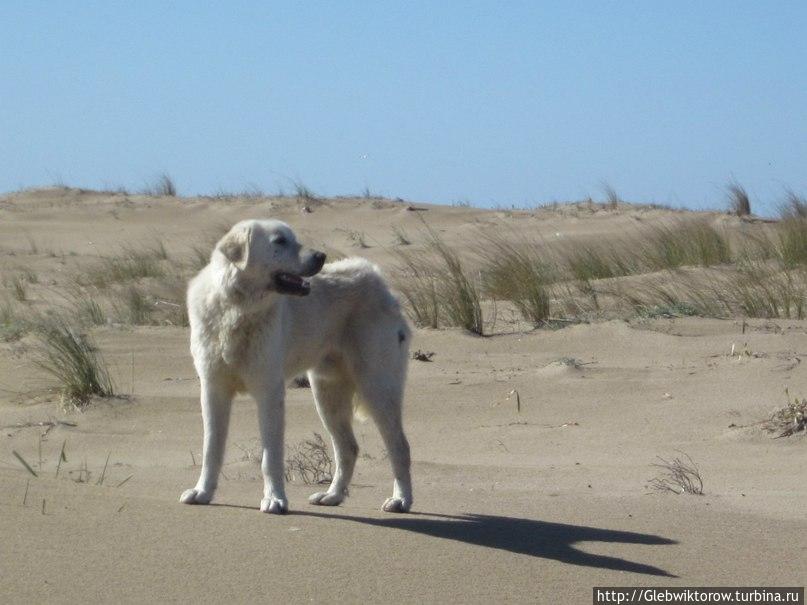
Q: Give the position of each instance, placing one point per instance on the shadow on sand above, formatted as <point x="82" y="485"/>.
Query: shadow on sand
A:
<point x="542" y="539"/>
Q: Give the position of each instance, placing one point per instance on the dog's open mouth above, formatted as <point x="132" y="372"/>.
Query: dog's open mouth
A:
<point x="288" y="283"/>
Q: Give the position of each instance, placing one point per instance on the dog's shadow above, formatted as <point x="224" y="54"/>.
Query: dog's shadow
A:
<point x="523" y="536"/>
<point x="530" y="537"/>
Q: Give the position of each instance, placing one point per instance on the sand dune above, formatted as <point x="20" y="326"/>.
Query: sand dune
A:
<point x="531" y="502"/>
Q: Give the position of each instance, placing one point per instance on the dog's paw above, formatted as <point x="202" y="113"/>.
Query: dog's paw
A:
<point x="326" y="499"/>
<point x="396" y="505"/>
<point x="195" y="496"/>
<point x="275" y="506"/>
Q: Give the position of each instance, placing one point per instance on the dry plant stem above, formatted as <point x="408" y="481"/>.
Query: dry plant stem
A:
<point x="679" y="476"/>
<point x="24" y="463"/>
<point x="310" y="462"/>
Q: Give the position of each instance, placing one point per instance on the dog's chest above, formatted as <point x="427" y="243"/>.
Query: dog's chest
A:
<point x="247" y="341"/>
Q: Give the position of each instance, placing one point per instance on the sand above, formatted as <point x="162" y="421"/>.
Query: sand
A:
<point x="536" y="505"/>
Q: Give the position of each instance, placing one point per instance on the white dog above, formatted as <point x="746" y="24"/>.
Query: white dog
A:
<point x="256" y="321"/>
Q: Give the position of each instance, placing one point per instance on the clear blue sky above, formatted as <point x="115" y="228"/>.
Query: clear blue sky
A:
<point x="486" y="102"/>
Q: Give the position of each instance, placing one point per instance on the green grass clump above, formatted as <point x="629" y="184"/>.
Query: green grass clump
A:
<point x="19" y="288"/>
<point x="88" y="310"/>
<point x="131" y="265"/>
<point x="12" y="326"/>
<point x="73" y="360"/>
<point x="459" y="294"/>
<point x="761" y="291"/>
<point x="437" y="288"/>
<point x="757" y="289"/>
<point x="684" y="243"/>
<point x="134" y="307"/>
<point x="794" y="206"/>
<point x="669" y="311"/>
<point x="418" y="285"/>
<point x="30" y="276"/>
<point x="516" y="271"/>
<point x="587" y="263"/>
<point x="791" y="242"/>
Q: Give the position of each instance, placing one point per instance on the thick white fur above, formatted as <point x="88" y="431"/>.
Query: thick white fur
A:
<point x="348" y="333"/>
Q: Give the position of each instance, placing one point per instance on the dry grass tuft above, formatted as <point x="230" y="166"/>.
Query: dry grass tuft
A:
<point x="309" y="461"/>
<point x="401" y="237"/>
<point x="422" y="355"/>
<point x="163" y="186"/>
<point x="738" y="201"/>
<point x="794" y="206"/>
<point x="302" y="192"/>
<point x="789" y="420"/>
<point x="357" y="239"/>
<point x="678" y="476"/>
<point x="611" y="196"/>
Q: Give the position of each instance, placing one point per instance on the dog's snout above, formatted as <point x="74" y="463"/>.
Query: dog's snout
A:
<point x="313" y="263"/>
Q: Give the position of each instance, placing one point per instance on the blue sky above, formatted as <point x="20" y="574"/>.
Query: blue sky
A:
<point x="493" y="103"/>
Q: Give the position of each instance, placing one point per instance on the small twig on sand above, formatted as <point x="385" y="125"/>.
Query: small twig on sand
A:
<point x="48" y="423"/>
<point x="62" y="458"/>
<point x="24" y="463"/>
<point x="103" y="472"/>
<point x="124" y="481"/>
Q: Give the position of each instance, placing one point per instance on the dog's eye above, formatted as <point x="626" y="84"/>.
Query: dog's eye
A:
<point x="280" y="240"/>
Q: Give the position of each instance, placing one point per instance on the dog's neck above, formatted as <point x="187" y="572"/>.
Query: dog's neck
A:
<point x="242" y="316"/>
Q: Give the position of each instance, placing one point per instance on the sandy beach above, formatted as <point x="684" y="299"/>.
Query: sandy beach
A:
<point x="532" y="449"/>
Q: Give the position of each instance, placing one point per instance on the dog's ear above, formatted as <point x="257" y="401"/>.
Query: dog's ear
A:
<point x="235" y="246"/>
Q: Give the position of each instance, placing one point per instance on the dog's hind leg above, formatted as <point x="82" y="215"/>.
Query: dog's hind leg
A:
<point x="381" y="389"/>
<point x="385" y="409"/>
<point x="333" y="393"/>
<point x="378" y="362"/>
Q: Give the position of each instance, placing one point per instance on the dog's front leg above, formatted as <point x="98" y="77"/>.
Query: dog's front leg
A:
<point x="216" y="403"/>
<point x="271" y="419"/>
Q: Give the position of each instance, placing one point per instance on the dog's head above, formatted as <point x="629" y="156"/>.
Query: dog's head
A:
<point x="267" y="258"/>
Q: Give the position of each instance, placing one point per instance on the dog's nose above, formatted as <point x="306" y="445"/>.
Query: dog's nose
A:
<point x="314" y="261"/>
